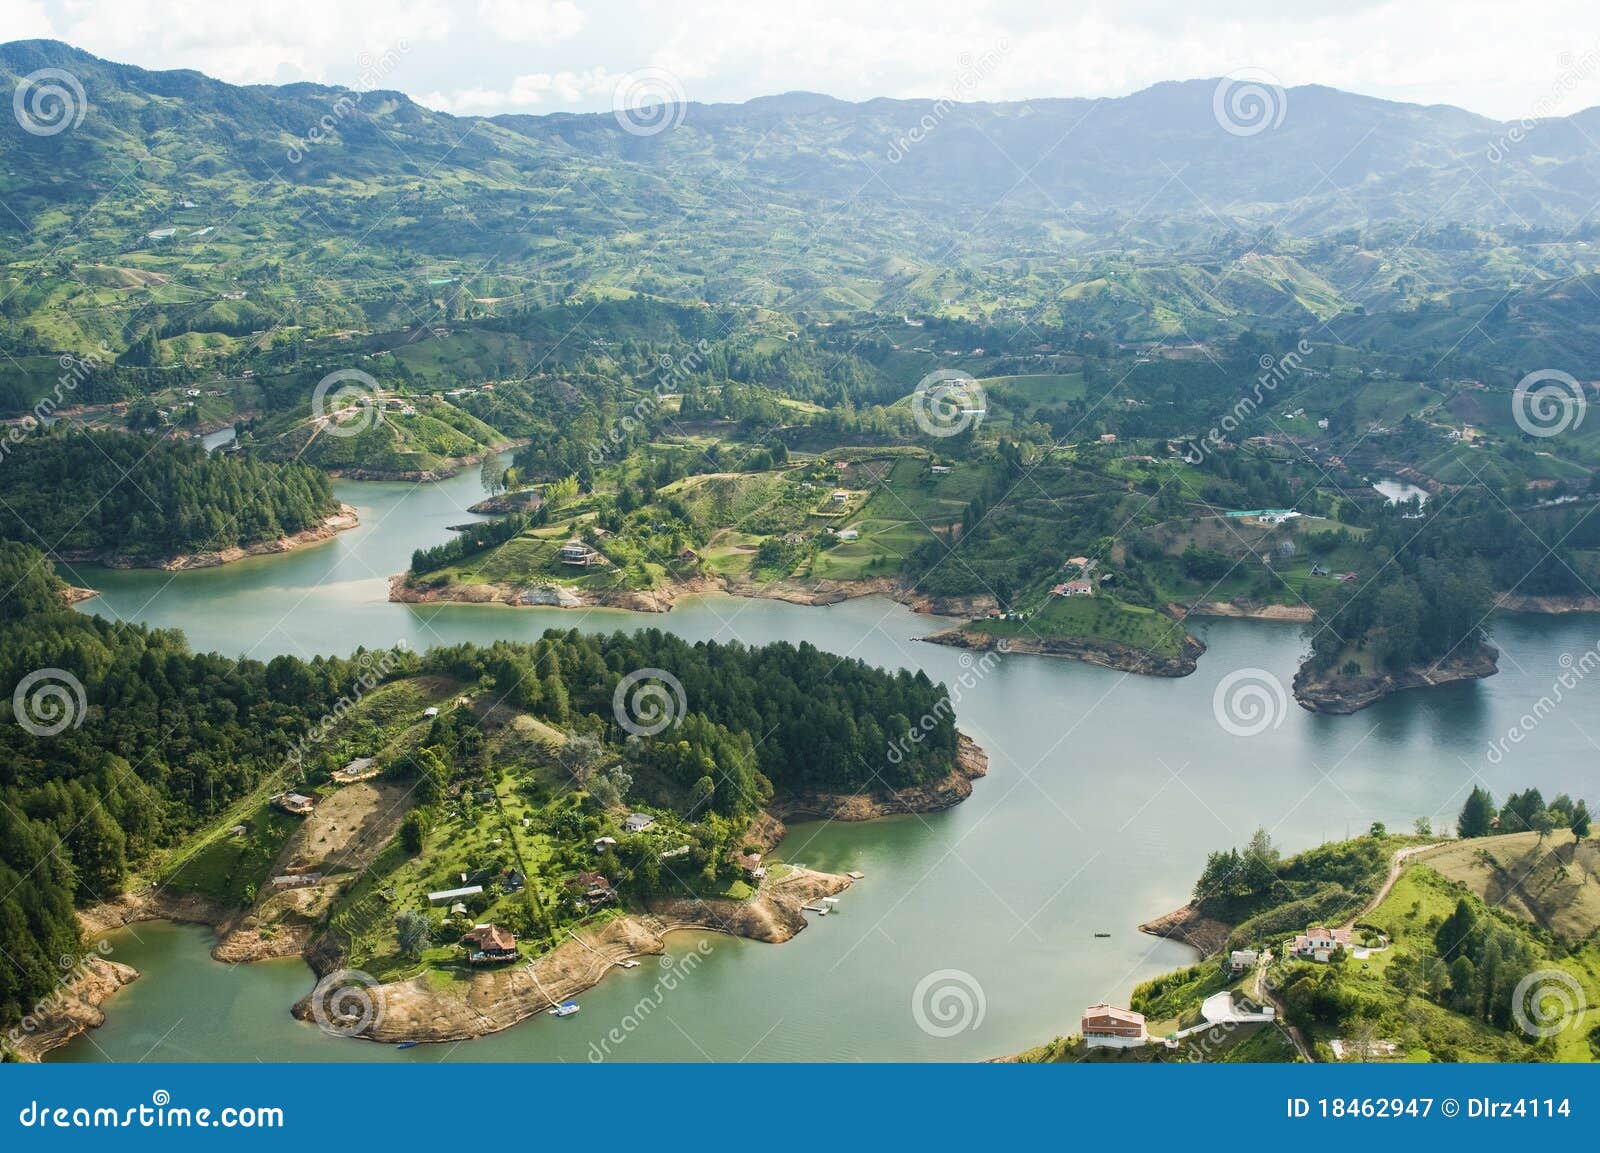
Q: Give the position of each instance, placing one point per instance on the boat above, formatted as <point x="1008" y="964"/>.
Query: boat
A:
<point x="856" y="876"/>
<point x="627" y="963"/>
<point x="815" y="908"/>
<point x="408" y="1044"/>
<point x="565" y="1009"/>
<point x="830" y="900"/>
<point x="1102" y="934"/>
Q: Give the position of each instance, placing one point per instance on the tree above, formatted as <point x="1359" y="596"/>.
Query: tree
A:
<point x="1580" y="820"/>
<point x="1477" y="815"/>
<point x="579" y="756"/>
<point x="414" y="828"/>
<point x="412" y="929"/>
<point x="1422" y="827"/>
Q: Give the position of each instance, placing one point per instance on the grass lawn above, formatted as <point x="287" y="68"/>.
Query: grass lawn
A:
<point x="1098" y="617"/>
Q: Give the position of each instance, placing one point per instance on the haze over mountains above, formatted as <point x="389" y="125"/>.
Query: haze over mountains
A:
<point x="1150" y="214"/>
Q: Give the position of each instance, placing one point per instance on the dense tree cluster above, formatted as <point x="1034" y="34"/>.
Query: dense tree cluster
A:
<point x="164" y="739"/>
<point x="1522" y="812"/>
<point x="478" y="538"/>
<point x="817" y="721"/>
<point x="117" y="495"/>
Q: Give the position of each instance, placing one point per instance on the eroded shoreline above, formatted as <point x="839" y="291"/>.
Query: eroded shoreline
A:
<point x="488" y="1000"/>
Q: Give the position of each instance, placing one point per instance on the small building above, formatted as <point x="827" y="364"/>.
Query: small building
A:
<point x="1241" y="961"/>
<point x="359" y="769"/>
<point x="1108" y="438"/>
<point x="689" y="556"/>
<point x="296" y="880"/>
<point x="575" y="552"/>
<point x="674" y="854"/>
<point x="490" y="945"/>
<point x="296" y="803"/>
<point x="513" y="880"/>
<point x="1073" y="588"/>
<point x="604" y="844"/>
<point x="848" y="534"/>
<point x="840" y="496"/>
<point x="592" y="887"/>
<point x="638" y="822"/>
<point x="1318" y="943"/>
<point x="751" y="864"/>
<point x="1108" y="1027"/>
<point x="451" y="896"/>
<point x="431" y="711"/>
<point x="942" y="469"/>
<point x="459" y="909"/>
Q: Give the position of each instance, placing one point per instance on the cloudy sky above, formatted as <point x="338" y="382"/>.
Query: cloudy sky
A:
<point x="562" y="55"/>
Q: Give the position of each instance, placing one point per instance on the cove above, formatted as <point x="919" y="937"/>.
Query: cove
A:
<point x="1105" y="792"/>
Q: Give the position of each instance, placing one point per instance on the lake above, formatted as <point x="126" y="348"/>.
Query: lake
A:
<point x="1105" y="792"/>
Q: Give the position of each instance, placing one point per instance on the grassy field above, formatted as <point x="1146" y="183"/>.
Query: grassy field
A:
<point x="1552" y="882"/>
<point x="1096" y="618"/>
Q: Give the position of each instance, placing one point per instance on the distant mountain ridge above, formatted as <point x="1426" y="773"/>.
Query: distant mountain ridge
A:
<point x="1334" y="159"/>
<point x="1144" y="216"/>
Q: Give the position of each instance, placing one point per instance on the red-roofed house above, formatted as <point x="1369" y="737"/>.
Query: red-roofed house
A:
<point x="490" y="945"/>
<point x="1106" y="1026"/>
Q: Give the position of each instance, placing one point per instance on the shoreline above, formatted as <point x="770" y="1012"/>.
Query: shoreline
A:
<point x="1341" y="696"/>
<point x="496" y="999"/>
<point x="453" y="466"/>
<point x="550" y="594"/>
<point x="332" y="525"/>
<point x="1106" y="654"/>
<point x="1188" y="926"/>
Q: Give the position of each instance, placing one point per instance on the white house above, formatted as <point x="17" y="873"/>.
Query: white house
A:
<point x="1318" y="943"/>
<point x="1242" y="961"/>
<point x="1108" y="1027"/>
<point x="638" y="822"/>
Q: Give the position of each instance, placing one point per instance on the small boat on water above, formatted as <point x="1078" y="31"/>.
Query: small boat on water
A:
<point x="1102" y="934"/>
<point x="830" y="900"/>
<point x="856" y="876"/>
<point x="816" y="908"/>
<point x="627" y="963"/>
<point x="408" y="1044"/>
<point x="565" y="1009"/>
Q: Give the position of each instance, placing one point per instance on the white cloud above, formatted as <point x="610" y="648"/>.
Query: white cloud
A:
<point x="486" y="55"/>
<point x="25" y="20"/>
<point x="253" y="44"/>
<point x="530" y="21"/>
<point x="525" y="92"/>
